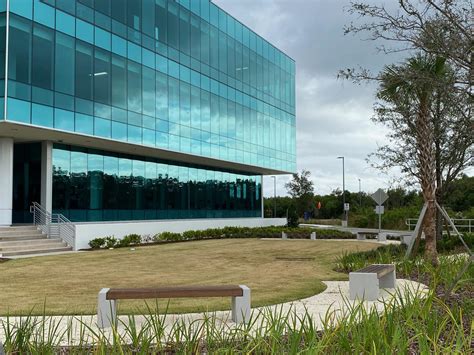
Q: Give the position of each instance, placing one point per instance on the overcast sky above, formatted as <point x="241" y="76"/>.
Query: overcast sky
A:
<point x="333" y="116"/>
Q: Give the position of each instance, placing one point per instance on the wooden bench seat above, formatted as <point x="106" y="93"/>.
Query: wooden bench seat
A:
<point x="380" y="269"/>
<point x="367" y="282"/>
<point x="174" y="292"/>
<point x="107" y="309"/>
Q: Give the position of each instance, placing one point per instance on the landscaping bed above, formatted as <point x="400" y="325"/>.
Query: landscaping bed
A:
<point x="217" y="233"/>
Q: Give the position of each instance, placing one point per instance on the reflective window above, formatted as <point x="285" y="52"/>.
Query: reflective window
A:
<point x="180" y="75"/>
<point x="90" y="185"/>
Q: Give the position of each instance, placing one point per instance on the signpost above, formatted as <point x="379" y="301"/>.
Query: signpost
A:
<point x="379" y="197"/>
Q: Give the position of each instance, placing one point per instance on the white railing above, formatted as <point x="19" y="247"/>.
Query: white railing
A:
<point x="462" y="224"/>
<point x="54" y="225"/>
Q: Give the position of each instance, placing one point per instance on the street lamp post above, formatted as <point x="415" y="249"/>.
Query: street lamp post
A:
<point x="360" y="195"/>
<point x="274" y="196"/>
<point x="344" y="222"/>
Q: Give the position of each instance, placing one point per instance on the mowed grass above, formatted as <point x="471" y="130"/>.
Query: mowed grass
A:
<point x="69" y="283"/>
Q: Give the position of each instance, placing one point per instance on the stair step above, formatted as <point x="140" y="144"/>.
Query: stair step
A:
<point x="28" y="242"/>
<point x="22" y="237"/>
<point x="30" y="247"/>
<point x="13" y="228"/>
<point x="36" y="251"/>
<point x="20" y="232"/>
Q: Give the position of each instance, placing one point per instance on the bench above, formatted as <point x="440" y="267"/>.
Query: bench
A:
<point x="367" y="282"/>
<point x="108" y="297"/>
<point x="406" y="239"/>
<point x="312" y="236"/>
<point x="381" y="237"/>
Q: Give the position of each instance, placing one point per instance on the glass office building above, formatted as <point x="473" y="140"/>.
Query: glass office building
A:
<point x="140" y="109"/>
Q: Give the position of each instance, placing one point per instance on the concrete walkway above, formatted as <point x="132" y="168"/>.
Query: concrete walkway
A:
<point x="333" y="302"/>
<point x="356" y="229"/>
<point x="386" y="242"/>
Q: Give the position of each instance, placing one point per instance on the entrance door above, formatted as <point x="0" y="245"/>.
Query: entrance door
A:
<point x="26" y="180"/>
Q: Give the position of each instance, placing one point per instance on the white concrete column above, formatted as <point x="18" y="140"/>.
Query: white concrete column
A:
<point x="261" y="196"/>
<point x="47" y="175"/>
<point x="6" y="181"/>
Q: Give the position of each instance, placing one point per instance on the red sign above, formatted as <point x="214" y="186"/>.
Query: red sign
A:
<point x="319" y="205"/>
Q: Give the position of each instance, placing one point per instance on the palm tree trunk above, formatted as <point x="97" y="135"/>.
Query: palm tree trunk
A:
<point x="426" y="159"/>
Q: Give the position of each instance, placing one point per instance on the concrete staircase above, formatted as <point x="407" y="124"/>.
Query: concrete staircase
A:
<point x="28" y="240"/>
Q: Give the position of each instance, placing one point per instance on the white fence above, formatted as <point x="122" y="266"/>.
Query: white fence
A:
<point x="462" y="224"/>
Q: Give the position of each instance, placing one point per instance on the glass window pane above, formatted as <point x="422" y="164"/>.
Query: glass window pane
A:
<point x="63" y="120"/>
<point x="19" y="53"/>
<point x="134" y="81"/>
<point x="102" y="76"/>
<point x="119" y="82"/>
<point x="42" y="115"/>
<point x="84" y="70"/>
<point x="64" y="64"/>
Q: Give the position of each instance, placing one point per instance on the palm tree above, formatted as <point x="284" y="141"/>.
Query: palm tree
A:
<point x="409" y="90"/>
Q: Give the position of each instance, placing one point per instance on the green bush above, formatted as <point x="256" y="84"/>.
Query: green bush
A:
<point x="130" y="239"/>
<point x="220" y="233"/>
<point x="97" y="243"/>
<point x="110" y="242"/>
<point x="168" y="237"/>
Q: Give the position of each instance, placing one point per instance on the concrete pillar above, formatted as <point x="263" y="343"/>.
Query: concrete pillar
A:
<point x="261" y="196"/>
<point x="106" y="310"/>
<point x="47" y="175"/>
<point x="241" y="308"/>
<point x="6" y="181"/>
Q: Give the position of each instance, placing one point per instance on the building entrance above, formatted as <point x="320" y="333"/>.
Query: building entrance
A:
<point x="26" y="180"/>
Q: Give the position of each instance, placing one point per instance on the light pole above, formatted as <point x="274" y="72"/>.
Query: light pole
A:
<point x="344" y="222"/>
<point x="360" y="195"/>
<point x="274" y="196"/>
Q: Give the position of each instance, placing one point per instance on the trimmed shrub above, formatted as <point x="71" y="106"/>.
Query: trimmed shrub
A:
<point x="219" y="233"/>
<point x="168" y="237"/>
<point x="110" y="242"/>
<point x="130" y="239"/>
<point x="97" y="243"/>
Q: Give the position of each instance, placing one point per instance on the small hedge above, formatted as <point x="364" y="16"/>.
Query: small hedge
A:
<point x="447" y="244"/>
<point x="219" y="233"/>
<point x="112" y="242"/>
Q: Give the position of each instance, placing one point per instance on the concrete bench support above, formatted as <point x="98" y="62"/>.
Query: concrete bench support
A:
<point x="366" y="283"/>
<point x="382" y="237"/>
<point x="241" y="306"/>
<point x="360" y="236"/>
<point x="106" y="310"/>
<point x="284" y="236"/>
<point x="406" y="239"/>
<point x="107" y="307"/>
<point x="313" y="236"/>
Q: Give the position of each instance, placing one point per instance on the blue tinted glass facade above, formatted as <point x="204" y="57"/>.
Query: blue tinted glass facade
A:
<point x="177" y="75"/>
<point x="91" y="185"/>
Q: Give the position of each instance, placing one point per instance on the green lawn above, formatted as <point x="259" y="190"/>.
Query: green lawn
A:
<point x="69" y="283"/>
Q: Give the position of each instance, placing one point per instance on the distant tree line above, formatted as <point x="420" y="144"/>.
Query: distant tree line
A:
<point x="459" y="202"/>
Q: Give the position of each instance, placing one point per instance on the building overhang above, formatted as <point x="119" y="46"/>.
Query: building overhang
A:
<point x="29" y="133"/>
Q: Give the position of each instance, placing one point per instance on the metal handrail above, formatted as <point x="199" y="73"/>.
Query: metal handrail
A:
<point x="460" y="223"/>
<point x="54" y="225"/>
